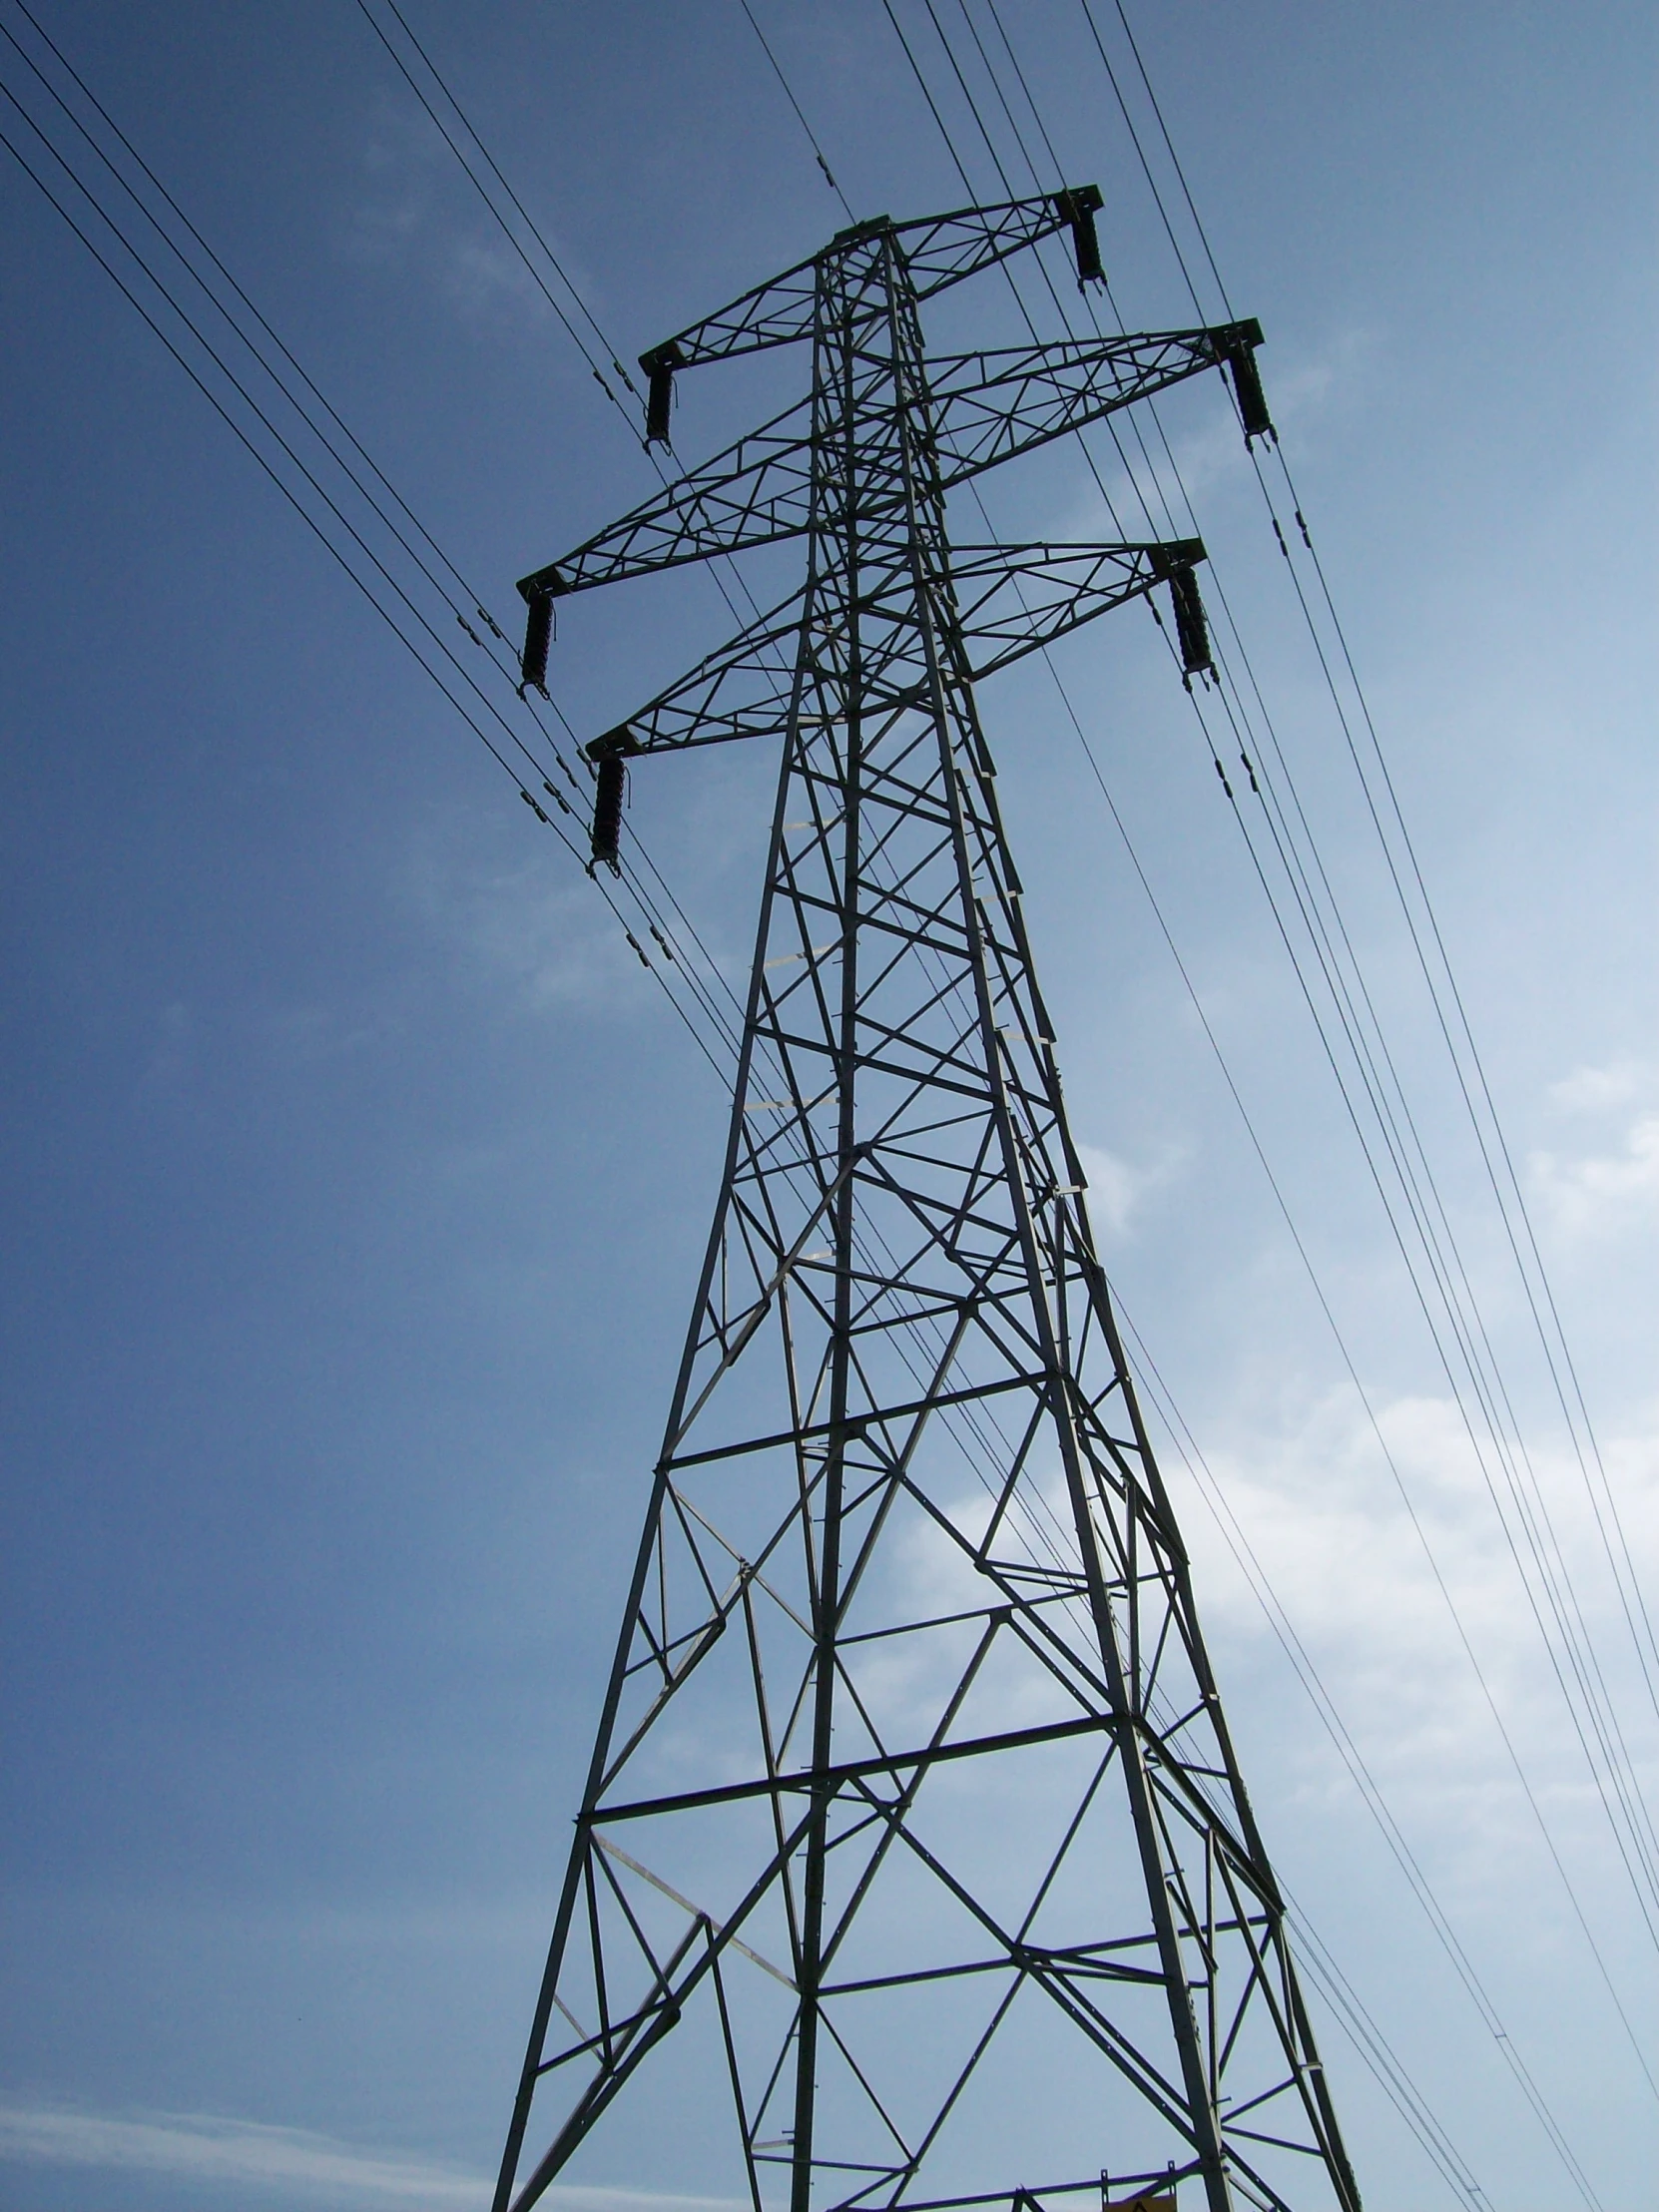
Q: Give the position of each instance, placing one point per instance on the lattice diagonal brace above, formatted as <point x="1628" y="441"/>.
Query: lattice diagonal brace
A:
<point x="915" y="1866"/>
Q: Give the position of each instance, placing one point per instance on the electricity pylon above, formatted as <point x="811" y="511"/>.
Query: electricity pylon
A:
<point x="912" y="1816"/>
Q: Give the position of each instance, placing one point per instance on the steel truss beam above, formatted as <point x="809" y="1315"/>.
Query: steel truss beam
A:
<point x="988" y="407"/>
<point x="912" y="1754"/>
<point x="1010" y="600"/>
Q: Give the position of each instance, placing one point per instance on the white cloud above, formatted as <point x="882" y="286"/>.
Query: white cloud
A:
<point x="481" y="269"/>
<point x="1116" y="1187"/>
<point x="1614" y="1179"/>
<point x="414" y="206"/>
<point x="1597" y="1090"/>
<point x="525" y="919"/>
<point x="200" y="2147"/>
<point x="1322" y="1511"/>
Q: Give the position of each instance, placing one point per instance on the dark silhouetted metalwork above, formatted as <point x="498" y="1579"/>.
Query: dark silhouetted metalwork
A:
<point x="912" y="1812"/>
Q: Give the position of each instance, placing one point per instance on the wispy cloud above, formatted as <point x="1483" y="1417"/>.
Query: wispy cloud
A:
<point x="1598" y="1090"/>
<point x="546" y="937"/>
<point x="1605" y="1187"/>
<point x="199" y="2147"/>
<point x="414" y="208"/>
<point x="1351" y="1571"/>
<point x="1116" y="1186"/>
<point x="1614" y="1178"/>
<point x="307" y="2166"/>
<point x="1210" y="455"/>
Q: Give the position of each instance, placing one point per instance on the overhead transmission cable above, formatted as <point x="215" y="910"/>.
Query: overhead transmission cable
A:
<point x="273" y="452"/>
<point x="709" y="1020"/>
<point x="789" y="95"/>
<point x="1554" y="1576"/>
<point x="705" y="992"/>
<point x="727" y="575"/>
<point x="496" y="171"/>
<point x="770" y="57"/>
<point x="534" y="274"/>
<point x="1490" y="1138"/>
<point x="1432" y="2135"/>
<point x="309" y="518"/>
<point x="1588" y="1694"/>
<point x="1181" y="1437"/>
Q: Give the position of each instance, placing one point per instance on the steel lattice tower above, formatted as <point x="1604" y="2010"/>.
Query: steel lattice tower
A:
<point x="912" y="1800"/>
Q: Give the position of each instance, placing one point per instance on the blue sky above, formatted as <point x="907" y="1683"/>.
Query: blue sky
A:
<point x="356" y="1174"/>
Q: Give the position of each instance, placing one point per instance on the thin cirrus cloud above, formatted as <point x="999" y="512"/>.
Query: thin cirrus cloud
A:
<point x="412" y="202"/>
<point x="1609" y="1179"/>
<point x="304" y="2167"/>
<point x="1117" y="1187"/>
<point x="1604" y="1190"/>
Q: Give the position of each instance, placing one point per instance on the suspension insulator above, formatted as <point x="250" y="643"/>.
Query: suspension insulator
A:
<point x="538" y="634"/>
<point x="1240" y="344"/>
<point x="1078" y="207"/>
<point x="1192" y="628"/>
<point x="1253" y="403"/>
<point x="607" y="812"/>
<point x="659" y="367"/>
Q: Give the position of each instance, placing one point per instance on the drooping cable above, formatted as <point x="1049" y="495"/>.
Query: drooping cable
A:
<point x="1179" y="1429"/>
<point x="789" y="95"/>
<point x="1554" y="1851"/>
<point x="709" y="1020"/>
<point x="1589" y="1703"/>
<point x="342" y="538"/>
<point x="534" y="274"/>
<point x="1214" y="1493"/>
<point x="492" y="165"/>
<point x="486" y="740"/>
<point x="1493" y="1146"/>
<point x="1490" y="1137"/>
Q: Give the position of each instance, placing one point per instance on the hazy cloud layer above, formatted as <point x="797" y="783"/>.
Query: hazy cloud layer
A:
<point x="294" y="2161"/>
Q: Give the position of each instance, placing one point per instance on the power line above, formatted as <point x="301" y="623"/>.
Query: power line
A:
<point x="800" y="115"/>
<point x="1615" y="1752"/>
<point x="378" y="473"/>
<point x="1632" y="1600"/>
<point x="330" y="506"/>
<point x="1182" y="1436"/>
<point x="789" y="95"/>
<point x="448" y="137"/>
<point x="287" y="452"/>
<point x="1580" y="1656"/>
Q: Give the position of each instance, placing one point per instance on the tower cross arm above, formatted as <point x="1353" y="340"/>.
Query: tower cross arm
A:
<point x="1015" y="599"/>
<point x="755" y="492"/>
<point x="988" y="407"/>
<point x="742" y="690"/>
<point x="1006" y="600"/>
<point x="939" y="251"/>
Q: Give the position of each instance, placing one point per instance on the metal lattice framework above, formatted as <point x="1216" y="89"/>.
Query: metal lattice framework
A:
<point x="913" y="1810"/>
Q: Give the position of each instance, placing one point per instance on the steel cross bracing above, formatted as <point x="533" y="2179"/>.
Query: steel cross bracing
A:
<point x="912" y="1815"/>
